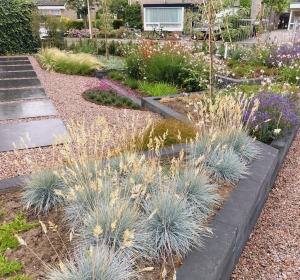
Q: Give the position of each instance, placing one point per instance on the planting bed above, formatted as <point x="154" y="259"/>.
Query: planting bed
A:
<point x="231" y="226"/>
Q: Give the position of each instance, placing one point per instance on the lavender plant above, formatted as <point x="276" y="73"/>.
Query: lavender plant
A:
<point x="276" y="116"/>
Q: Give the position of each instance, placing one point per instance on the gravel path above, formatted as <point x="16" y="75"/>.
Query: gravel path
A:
<point x="273" y="250"/>
<point x="65" y="92"/>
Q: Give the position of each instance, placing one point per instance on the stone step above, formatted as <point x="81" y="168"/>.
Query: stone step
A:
<point x="41" y="133"/>
<point x="16" y="68"/>
<point x="17" y="75"/>
<point x="15" y="62"/>
<point x="19" y="83"/>
<point x="22" y="110"/>
<point x="20" y="94"/>
<point x="5" y="58"/>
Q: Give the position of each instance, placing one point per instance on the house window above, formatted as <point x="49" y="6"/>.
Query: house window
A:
<point x="169" y="18"/>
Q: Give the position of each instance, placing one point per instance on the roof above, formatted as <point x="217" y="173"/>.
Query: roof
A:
<point x="50" y="2"/>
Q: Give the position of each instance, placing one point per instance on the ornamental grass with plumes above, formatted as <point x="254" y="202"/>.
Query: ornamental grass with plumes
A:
<point x="55" y="60"/>
<point x="137" y="207"/>
<point x="95" y="263"/>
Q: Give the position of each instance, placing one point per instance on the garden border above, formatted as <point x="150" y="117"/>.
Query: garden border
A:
<point x="234" y="222"/>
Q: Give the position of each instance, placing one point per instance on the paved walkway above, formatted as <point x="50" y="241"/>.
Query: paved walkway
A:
<point x="25" y="110"/>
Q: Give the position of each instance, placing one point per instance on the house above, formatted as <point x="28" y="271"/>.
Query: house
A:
<point x="56" y="8"/>
<point x="168" y="14"/>
<point x="294" y="16"/>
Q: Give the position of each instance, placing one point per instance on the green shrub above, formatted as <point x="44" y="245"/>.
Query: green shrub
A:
<point x="16" y="31"/>
<point x="237" y="54"/>
<point x="131" y="83"/>
<point x="117" y="23"/>
<point x="133" y="15"/>
<point x="157" y="89"/>
<point x="115" y="75"/>
<point x="75" y="24"/>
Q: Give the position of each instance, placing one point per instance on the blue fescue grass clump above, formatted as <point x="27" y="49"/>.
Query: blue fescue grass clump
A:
<point x="225" y="164"/>
<point x="40" y="191"/>
<point x="116" y="223"/>
<point x="242" y="144"/>
<point x="172" y="226"/>
<point x="197" y="190"/>
<point x="275" y="117"/>
<point x="216" y="154"/>
<point x="95" y="263"/>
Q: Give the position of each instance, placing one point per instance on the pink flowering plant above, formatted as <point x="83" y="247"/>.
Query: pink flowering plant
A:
<point x="105" y="94"/>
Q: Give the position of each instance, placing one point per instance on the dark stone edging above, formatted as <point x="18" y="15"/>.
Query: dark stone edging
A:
<point x="152" y="104"/>
<point x="104" y="73"/>
<point x="235" y="220"/>
<point x="223" y="81"/>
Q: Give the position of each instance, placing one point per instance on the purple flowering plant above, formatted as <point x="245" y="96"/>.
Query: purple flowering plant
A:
<point x="275" y="117"/>
<point x="284" y="55"/>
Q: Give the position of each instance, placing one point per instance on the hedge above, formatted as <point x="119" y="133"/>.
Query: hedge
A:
<point x="16" y="31"/>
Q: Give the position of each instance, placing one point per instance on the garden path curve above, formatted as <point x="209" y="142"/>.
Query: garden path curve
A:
<point x="27" y="116"/>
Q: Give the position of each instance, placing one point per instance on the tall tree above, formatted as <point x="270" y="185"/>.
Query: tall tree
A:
<point x="117" y="7"/>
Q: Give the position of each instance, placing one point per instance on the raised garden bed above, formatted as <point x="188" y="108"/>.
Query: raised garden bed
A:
<point x="234" y="222"/>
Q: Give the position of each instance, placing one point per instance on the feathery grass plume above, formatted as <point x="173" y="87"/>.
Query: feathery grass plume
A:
<point x="219" y="113"/>
<point x="87" y="185"/>
<point x="116" y="223"/>
<point x="55" y="60"/>
<point x="197" y="190"/>
<point x="168" y="132"/>
<point x="97" y="140"/>
<point x="40" y="191"/>
<point x="95" y="263"/>
<point x="172" y="225"/>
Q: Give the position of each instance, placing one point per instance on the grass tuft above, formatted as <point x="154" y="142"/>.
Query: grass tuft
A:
<point x="197" y="190"/>
<point x="55" y="60"/>
<point x="157" y="89"/>
<point x="40" y="191"/>
<point x="95" y="263"/>
<point x="172" y="226"/>
<point x="169" y="132"/>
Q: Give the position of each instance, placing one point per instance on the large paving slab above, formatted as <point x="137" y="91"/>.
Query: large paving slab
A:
<point x="22" y="110"/>
<point x="5" y="58"/>
<point x="41" y="133"/>
<point x="15" y="62"/>
<point x="19" y="83"/>
<point x="20" y="94"/>
<point x="15" y="68"/>
<point x="17" y="75"/>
